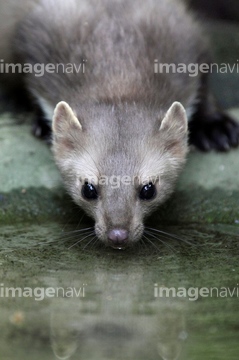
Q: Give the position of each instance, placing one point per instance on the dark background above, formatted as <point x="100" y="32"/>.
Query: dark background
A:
<point x="217" y="9"/>
<point x="220" y="19"/>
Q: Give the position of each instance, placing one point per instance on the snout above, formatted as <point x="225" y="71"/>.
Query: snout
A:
<point x="119" y="235"/>
<point x="118" y="238"/>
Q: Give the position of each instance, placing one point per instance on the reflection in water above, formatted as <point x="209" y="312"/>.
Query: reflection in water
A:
<point x="117" y="320"/>
<point x="64" y="332"/>
<point x="171" y="332"/>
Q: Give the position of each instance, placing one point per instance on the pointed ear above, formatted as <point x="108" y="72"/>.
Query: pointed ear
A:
<point x="175" y="122"/>
<point x="174" y="131"/>
<point x="64" y="120"/>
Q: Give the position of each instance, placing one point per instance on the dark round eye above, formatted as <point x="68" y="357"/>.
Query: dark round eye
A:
<point x="148" y="192"/>
<point x="89" y="191"/>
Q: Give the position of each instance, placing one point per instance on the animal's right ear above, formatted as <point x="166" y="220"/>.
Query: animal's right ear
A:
<point x="175" y="121"/>
<point x="64" y="120"/>
<point x="174" y="130"/>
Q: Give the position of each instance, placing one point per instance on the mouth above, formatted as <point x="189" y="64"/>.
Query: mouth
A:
<point x="118" y="247"/>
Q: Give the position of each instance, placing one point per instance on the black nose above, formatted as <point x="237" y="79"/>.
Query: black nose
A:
<point x="118" y="237"/>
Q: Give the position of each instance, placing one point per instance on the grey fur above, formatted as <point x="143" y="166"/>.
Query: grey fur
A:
<point x="120" y="41"/>
<point x="119" y="101"/>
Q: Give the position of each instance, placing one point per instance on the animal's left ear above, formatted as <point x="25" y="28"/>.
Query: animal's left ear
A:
<point x="64" y="120"/>
<point x="175" y="121"/>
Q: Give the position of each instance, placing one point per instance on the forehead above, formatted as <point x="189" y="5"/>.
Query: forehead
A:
<point x="137" y="167"/>
<point x="121" y="141"/>
<point x="122" y="119"/>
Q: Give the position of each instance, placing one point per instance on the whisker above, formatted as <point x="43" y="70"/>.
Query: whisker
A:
<point x="72" y="237"/>
<point x="80" y="240"/>
<point x="81" y="220"/>
<point x="90" y="242"/>
<point x="96" y="240"/>
<point x="163" y="242"/>
<point x="172" y="236"/>
<point x="77" y="231"/>
<point x="143" y="242"/>
<point x="162" y="236"/>
<point x="151" y="242"/>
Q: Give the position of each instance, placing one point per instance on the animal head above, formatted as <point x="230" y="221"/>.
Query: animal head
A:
<point x="119" y="163"/>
